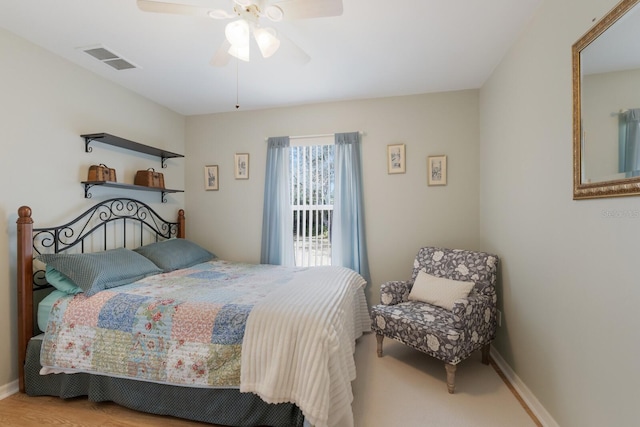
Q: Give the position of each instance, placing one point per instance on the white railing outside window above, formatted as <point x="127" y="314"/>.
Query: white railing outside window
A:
<point x="312" y="185"/>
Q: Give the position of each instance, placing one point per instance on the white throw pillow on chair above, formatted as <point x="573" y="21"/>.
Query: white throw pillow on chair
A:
<point x="439" y="290"/>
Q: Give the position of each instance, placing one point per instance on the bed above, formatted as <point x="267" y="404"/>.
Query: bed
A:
<point x="142" y="317"/>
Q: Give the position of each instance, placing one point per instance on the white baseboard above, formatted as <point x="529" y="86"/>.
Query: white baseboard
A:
<point x="529" y="398"/>
<point x="8" y="389"/>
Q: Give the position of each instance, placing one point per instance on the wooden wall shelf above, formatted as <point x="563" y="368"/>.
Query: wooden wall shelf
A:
<point x="89" y="184"/>
<point x="116" y="141"/>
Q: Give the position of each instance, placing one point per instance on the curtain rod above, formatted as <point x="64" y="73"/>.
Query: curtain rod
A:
<point x="325" y="135"/>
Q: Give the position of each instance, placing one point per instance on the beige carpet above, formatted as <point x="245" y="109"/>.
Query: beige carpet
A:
<point x="408" y="388"/>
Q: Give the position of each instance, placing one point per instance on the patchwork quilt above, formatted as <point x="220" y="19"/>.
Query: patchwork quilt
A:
<point x="285" y="334"/>
<point x="185" y="327"/>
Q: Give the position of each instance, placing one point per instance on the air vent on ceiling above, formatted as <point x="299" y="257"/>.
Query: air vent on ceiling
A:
<point x="108" y="57"/>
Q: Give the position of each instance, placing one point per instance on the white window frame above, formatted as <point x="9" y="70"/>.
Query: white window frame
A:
<point x="310" y="250"/>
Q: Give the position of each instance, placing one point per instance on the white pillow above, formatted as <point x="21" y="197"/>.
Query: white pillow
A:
<point x="438" y="290"/>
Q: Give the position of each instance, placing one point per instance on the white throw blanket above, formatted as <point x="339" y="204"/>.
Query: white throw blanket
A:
<point x="299" y="344"/>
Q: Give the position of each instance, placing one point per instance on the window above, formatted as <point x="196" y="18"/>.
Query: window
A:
<point x="320" y="184"/>
<point x="312" y="196"/>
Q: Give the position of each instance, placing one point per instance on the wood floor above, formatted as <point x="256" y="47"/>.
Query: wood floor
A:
<point x="24" y="411"/>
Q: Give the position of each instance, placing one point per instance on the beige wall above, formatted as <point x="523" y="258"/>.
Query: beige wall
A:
<point x="402" y="212"/>
<point x="45" y="104"/>
<point x="569" y="286"/>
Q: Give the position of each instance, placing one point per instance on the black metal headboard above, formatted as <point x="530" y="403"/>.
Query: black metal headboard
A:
<point x="119" y="222"/>
<point x="113" y="223"/>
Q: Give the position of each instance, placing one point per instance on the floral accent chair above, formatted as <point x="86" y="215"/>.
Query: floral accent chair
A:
<point x="450" y="335"/>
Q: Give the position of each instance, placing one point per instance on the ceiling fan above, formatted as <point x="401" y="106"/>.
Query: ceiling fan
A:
<point x="246" y="15"/>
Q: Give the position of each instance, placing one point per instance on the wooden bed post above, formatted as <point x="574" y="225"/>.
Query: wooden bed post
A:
<point x="25" y="287"/>
<point x="182" y="229"/>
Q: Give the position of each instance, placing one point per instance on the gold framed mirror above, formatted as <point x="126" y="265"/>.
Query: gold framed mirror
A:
<point x="606" y="106"/>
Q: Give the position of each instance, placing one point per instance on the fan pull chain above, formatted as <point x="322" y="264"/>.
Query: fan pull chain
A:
<point x="237" y="85"/>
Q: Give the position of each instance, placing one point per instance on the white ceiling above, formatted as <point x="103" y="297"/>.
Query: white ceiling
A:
<point x="375" y="49"/>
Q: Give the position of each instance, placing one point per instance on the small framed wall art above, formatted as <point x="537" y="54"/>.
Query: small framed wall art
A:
<point x="211" y="177"/>
<point x="437" y="170"/>
<point x="241" y="168"/>
<point x="396" y="158"/>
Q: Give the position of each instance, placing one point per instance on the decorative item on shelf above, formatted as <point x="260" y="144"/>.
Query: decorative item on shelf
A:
<point x="101" y="172"/>
<point x="149" y="178"/>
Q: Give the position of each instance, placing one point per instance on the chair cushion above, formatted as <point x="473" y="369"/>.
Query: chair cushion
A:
<point x="439" y="291"/>
<point x="430" y="329"/>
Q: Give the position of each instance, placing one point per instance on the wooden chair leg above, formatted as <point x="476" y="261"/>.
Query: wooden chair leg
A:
<point x="379" y="339"/>
<point x="485" y="353"/>
<point x="451" y="376"/>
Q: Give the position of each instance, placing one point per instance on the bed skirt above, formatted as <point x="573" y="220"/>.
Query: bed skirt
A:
<point x="227" y="407"/>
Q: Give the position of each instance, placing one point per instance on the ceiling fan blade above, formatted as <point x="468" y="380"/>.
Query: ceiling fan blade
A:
<point x="305" y="9"/>
<point x="288" y="49"/>
<point x="221" y="57"/>
<point x="182" y="9"/>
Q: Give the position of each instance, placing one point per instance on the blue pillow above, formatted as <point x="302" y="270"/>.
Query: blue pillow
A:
<point x="174" y="254"/>
<point x="94" y="272"/>
<point x="61" y="282"/>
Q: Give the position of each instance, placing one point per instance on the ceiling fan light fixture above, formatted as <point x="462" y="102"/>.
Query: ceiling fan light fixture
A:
<point x="267" y="41"/>
<point x="274" y="13"/>
<point x="243" y="3"/>
<point x="240" y="52"/>
<point x="237" y="33"/>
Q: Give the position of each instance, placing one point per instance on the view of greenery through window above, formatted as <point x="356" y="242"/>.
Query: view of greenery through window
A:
<point x="312" y="185"/>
